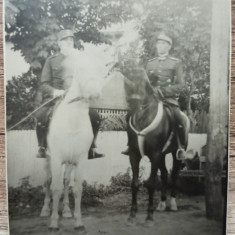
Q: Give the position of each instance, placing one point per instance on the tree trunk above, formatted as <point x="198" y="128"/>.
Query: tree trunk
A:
<point x="218" y="121"/>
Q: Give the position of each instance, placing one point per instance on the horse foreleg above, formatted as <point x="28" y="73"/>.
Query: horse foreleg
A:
<point x="135" y="161"/>
<point x="174" y="177"/>
<point x="150" y="185"/>
<point x="77" y="191"/>
<point x="162" y="203"/>
<point x="68" y="178"/>
<point x="66" y="210"/>
<point x="56" y="188"/>
<point x="45" y="212"/>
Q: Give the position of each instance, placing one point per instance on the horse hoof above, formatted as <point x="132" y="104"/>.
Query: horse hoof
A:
<point x="45" y="213"/>
<point x="80" y="230"/>
<point x="67" y="214"/>
<point x="173" y="204"/>
<point x="149" y="223"/>
<point x="131" y="222"/>
<point x="174" y="209"/>
<point x="161" y="206"/>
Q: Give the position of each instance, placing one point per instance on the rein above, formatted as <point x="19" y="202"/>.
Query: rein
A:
<point x="76" y="99"/>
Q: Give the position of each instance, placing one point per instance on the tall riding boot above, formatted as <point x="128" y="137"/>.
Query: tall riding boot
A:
<point x="95" y="123"/>
<point x="181" y="135"/>
<point x="127" y="150"/>
<point x="180" y="154"/>
<point x="41" y="131"/>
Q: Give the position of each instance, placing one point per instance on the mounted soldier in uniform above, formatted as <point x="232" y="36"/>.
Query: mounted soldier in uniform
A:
<point x="55" y="80"/>
<point x="165" y="75"/>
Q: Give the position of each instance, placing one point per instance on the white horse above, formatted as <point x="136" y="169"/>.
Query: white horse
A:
<point x="70" y="132"/>
<point x="69" y="139"/>
<point x="70" y="135"/>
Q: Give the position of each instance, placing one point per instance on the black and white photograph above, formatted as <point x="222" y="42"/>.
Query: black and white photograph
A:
<point x="117" y="116"/>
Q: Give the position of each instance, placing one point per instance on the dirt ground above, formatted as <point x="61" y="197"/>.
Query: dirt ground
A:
<point x="110" y="218"/>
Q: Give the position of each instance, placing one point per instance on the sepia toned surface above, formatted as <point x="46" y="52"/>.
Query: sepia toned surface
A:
<point x="231" y="195"/>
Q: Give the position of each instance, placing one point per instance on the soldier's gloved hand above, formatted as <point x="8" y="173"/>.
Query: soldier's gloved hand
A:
<point x="58" y="93"/>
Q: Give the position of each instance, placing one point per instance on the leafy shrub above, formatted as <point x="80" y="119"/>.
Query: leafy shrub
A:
<point x="25" y="199"/>
<point x="114" y="123"/>
<point x="28" y="200"/>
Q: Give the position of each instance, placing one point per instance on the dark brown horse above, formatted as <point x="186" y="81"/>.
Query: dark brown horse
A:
<point x="151" y="133"/>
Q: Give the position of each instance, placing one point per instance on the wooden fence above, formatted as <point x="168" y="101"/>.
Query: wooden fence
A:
<point x="22" y="161"/>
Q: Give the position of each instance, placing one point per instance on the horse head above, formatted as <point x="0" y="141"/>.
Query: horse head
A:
<point x="138" y="89"/>
<point x="85" y="71"/>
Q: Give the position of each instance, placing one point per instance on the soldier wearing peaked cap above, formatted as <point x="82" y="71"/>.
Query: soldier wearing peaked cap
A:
<point x="165" y="72"/>
<point x="166" y="77"/>
<point x="55" y="79"/>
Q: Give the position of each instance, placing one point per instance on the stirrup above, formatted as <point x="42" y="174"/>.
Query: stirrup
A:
<point x="180" y="154"/>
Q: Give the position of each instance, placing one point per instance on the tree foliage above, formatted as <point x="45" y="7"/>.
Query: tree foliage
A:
<point x="36" y="22"/>
<point x="20" y="97"/>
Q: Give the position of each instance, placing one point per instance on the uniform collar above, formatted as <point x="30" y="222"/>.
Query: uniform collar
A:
<point x="162" y="57"/>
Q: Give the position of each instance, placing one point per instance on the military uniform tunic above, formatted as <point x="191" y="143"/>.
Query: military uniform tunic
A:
<point x="55" y="76"/>
<point x="167" y="74"/>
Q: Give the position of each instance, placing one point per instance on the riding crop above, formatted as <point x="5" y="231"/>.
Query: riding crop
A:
<point x="29" y="115"/>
